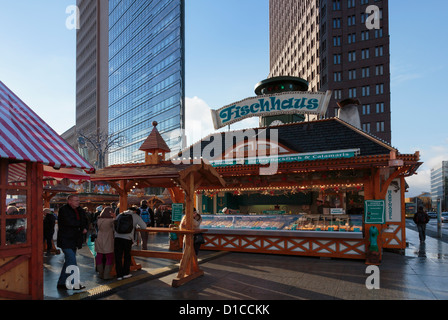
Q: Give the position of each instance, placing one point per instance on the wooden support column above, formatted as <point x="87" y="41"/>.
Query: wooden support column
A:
<point x="122" y="189"/>
<point x="189" y="267"/>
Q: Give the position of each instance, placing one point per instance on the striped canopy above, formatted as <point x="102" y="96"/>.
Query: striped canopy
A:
<point x="25" y="136"/>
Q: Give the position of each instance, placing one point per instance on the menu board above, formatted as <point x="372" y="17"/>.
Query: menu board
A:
<point x="374" y="211"/>
<point x="177" y="211"/>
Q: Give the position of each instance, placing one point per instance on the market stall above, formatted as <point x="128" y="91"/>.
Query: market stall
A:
<point x="280" y="212"/>
<point x="27" y="145"/>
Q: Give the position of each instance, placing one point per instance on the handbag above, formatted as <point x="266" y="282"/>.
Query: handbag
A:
<point x="199" y="238"/>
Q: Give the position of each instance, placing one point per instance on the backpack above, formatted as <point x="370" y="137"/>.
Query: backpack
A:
<point x="124" y="223"/>
<point x="144" y="213"/>
<point x="421" y="217"/>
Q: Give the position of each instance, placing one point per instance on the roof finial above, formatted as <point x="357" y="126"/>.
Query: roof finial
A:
<point x="154" y="123"/>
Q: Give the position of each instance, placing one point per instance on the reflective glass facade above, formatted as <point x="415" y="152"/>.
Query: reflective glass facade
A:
<point x="439" y="185"/>
<point x="146" y="74"/>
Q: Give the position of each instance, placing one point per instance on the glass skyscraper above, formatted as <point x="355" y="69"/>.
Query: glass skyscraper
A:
<point x="146" y="74"/>
<point x="439" y="185"/>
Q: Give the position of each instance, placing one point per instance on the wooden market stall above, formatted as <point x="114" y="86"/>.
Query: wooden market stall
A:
<point x="276" y="212"/>
<point x="181" y="180"/>
<point x="27" y="144"/>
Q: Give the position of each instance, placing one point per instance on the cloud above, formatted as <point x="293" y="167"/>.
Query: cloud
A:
<point x="432" y="157"/>
<point x="199" y="124"/>
<point x="198" y="120"/>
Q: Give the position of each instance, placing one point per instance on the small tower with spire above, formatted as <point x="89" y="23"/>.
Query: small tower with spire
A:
<point x="154" y="147"/>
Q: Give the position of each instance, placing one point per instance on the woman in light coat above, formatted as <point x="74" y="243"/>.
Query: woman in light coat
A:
<point x="197" y="220"/>
<point x="104" y="243"/>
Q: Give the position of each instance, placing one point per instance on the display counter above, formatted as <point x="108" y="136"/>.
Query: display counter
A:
<point x="312" y="235"/>
<point x="326" y="226"/>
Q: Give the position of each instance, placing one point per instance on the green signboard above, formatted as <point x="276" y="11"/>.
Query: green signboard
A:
<point x="375" y="211"/>
<point x="177" y="211"/>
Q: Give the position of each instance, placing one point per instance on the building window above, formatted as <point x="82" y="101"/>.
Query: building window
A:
<point x="352" y="74"/>
<point x="380" y="107"/>
<point x="351" y="21"/>
<point x="337" y="23"/>
<point x="379" y="70"/>
<point x="380" y="126"/>
<point x="338" y="94"/>
<point x="352" y="93"/>
<point x="352" y="38"/>
<point x="366" y="127"/>
<point x="365" y="54"/>
<point x="336" y="5"/>
<point x="352" y="56"/>
<point x="366" y="109"/>
<point x="366" y="92"/>
<point x="365" y="72"/>
<point x="380" y="88"/>
<point x="337" y="41"/>
<point x="379" y="51"/>
<point x="337" y="76"/>
<point x="337" y="58"/>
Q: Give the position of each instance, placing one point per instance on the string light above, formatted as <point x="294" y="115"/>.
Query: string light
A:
<point x="337" y="187"/>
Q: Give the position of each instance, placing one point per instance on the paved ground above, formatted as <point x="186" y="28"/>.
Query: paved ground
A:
<point x="420" y="273"/>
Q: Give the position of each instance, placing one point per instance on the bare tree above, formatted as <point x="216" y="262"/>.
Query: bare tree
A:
<point x="100" y="142"/>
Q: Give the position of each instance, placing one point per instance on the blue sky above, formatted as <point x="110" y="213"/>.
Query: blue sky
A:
<point x="227" y="52"/>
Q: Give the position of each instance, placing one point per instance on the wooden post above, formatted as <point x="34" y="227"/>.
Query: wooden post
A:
<point x="189" y="267"/>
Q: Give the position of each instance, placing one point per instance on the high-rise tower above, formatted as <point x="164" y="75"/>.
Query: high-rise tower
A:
<point x="332" y="45"/>
<point x="146" y="74"/>
<point x="92" y="56"/>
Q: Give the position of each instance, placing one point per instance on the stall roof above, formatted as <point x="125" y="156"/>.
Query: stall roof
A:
<point x="25" y="136"/>
<point x="165" y="174"/>
<point x="308" y="137"/>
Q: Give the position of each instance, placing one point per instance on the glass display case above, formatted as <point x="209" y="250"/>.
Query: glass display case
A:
<point x="291" y="225"/>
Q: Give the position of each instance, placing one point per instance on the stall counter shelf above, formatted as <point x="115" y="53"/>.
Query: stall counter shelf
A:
<point x="310" y="226"/>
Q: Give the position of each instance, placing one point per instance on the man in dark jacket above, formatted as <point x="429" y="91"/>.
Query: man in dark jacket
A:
<point x="72" y="225"/>
<point x="421" y="218"/>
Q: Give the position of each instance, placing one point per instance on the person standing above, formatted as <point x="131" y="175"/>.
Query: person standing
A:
<point x="421" y="218"/>
<point x="198" y="237"/>
<point x="72" y="225"/>
<point x="123" y="244"/>
<point x="147" y="216"/>
<point x="104" y="243"/>
<point x="49" y="223"/>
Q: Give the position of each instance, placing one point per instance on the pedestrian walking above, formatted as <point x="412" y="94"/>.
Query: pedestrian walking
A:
<point x="421" y="219"/>
<point x="104" y="243"/>
<point x="125" y="224"/>
<point x="72" y="225"/>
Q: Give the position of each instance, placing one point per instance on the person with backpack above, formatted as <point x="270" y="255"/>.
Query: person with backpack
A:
<point x="125" y="225"/>
<point x="147" y="216"/>
<point x="421" y="218"/>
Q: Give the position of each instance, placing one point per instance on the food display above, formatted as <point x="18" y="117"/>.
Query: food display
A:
<point x="330" y="223"/>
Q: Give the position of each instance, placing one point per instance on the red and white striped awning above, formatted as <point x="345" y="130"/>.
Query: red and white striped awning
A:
<point x="25" y="136"/>
<point x="51" y="176"/>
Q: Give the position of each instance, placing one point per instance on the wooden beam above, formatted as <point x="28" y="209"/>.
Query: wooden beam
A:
<point x="157" y="254"/>
<point x="13" y="263"/>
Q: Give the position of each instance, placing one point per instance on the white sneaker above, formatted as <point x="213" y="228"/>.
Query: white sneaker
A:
<point x="127" y="276"/>
<point x="119" y="278"/>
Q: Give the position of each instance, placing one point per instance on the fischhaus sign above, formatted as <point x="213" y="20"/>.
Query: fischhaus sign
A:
<point x="268" y="105"/>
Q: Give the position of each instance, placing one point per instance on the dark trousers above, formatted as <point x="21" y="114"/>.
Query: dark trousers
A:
<point x="122" y="250"/>
<point x="48" y="237"/>
<point x="422" y="231"/>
